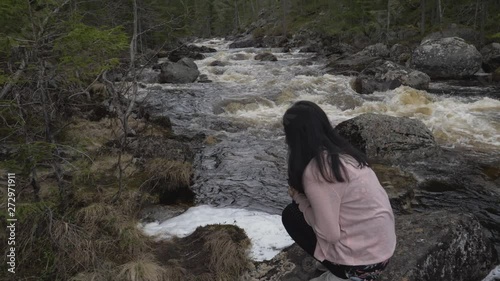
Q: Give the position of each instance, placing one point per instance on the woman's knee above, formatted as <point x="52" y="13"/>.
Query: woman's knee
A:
<point x="288" y="214"/>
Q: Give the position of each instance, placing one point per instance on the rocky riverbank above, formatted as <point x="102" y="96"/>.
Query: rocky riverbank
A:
<point x="431" y="188"/>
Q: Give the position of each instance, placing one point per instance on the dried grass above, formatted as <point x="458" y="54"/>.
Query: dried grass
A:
<point x="176" y="172"/>
<point x="89" y="276"/>
<point x="228" y="257"/>
<point x="144" y="268"/>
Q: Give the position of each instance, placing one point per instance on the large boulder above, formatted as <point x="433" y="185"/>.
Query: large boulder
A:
<point x="469" y="35"/>
<point x="491" y="57"/>
<point x="440" y="246"/>
<point x="389" y="139"/>
<point x="387" y="75"/>
<point x="246" y="41"/>
<point x="183" y="71"/>
<point x="446" y="58"/>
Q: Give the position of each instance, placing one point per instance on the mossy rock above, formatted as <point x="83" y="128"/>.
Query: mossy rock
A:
<point x="212" y="252"/>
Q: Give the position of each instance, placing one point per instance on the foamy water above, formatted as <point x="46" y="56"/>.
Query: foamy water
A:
<point x="454" y="121"/>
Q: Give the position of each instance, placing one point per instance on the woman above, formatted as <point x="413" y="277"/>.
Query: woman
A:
<point x="340" y="213"/>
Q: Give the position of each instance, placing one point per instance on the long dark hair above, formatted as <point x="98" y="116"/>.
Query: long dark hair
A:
<point x="309" y="134"/>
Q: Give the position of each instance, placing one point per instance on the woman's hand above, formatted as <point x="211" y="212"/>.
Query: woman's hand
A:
<point x="292" y="191"/>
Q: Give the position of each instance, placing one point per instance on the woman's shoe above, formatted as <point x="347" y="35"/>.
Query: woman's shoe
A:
<point x="327" y="276"/>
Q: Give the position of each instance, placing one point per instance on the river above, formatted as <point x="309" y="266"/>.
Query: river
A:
<point x="242" y="108"/>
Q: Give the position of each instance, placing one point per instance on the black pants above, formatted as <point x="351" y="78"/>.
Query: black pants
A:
<point x="304" y="236"/>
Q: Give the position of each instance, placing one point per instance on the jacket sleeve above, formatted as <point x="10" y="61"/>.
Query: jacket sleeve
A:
<point x="320" y="204"/>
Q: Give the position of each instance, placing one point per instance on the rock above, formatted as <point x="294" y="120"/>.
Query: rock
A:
<point x="244" y="42"/>
<point x="447" y="58"/>
<point x="338" y="49"/>
<point x="378" y="50"/>
<point x="148" y="75"/>
<point x="400" y="53"/>
<point x="266" y="57"/>
<point x="292" y="264"/>
<point x="469" y="35"/>
<point x="432" y="246"/>
<point x="440" y="246"/>
<point x="491" y="57"/>
<point x="274" y="41"/>
<point x="386" y="75"/>
<point x="240" y="56"/>
<point x="204" y="79"/>
<point x="185" y="71"/>
<point x="188" y="63"/>
<point x="358" y="61"/>
<point x="218" y="63"/>
<point x="389" y="139"/>
<point x="312" y="48"/>
<point x="351" y="63"/>
<point x="496" y="75"/>
<point x="184" y="51"/>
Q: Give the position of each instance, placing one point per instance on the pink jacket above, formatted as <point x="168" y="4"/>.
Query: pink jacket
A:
<point x="353" y="220"/>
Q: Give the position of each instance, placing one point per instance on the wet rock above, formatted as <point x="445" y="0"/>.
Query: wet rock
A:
<point x="244" y="42"/>
<point x="266" y="57"/>
<point x="440" y="246"/>
<point x="311" y="48"/>
<point x="204" y="79"/>
<point x="491" y="57"/>
<point x="188" y="63"/>
<point x="431" y="246"/>
<point x="386" y="75"/>
<point x="185" y="71"/>
<point x="189" y="51"/>
<point x="274" y="41"/>
<point x="240" y="56"/>
<point x="400" y="53"/>
<point x="292" y="264"/>
<point x="218" y="63"/>
<point x="351" y="63"/>
<point x="450" y="58"/>
<point x="148" y="75"/>
<point x="338" y="49"/>
<point x="389" y="139"/>
<point x="399" y="185"/>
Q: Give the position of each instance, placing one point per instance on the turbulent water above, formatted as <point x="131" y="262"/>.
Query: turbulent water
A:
<point x="243" y="106"/>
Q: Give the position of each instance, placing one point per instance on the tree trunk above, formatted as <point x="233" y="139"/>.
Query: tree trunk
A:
<point x="483" y="18"/>
<point x="388" y="21"/>
<point x="439" y="12"/>
<point x="422" y="19"/>
<point x="283" y="19"/>
<point x="236" y="16"/>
